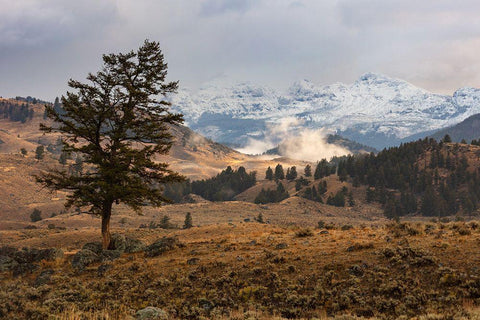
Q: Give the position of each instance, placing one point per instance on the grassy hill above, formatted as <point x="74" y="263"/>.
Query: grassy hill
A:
<point x="192" y="155"/>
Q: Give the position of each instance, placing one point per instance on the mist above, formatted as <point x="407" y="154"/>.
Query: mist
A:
<point x="295" y="142"/>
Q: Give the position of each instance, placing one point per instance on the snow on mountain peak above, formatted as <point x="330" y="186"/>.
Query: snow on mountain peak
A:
<point x="374" y="105"/>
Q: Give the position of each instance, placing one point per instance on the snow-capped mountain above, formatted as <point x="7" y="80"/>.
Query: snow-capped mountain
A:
<point x="375" y="110"/>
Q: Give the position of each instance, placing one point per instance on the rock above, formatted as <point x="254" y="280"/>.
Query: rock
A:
<point x="193" y="261"/>
<point x="83" y="258"/>
<point x="134" y="245"/>
<point x="44" y="277"/>
<point x="93" y="246"/>
<point x="205" y="304"/>
<point x="162" y="245"/>
<point x="118" y="242"/>
<point x="110" y="255"/>
<point x="23" y="268"/>
<point x="25" y="255"/>
<point x="103" y="269"/>
<point x="50" y="254"/>
<point x="323" y="232"/>
<point x="151" y="313"/>
<point x="7" y="263"/>
<point x="281" y="246"/>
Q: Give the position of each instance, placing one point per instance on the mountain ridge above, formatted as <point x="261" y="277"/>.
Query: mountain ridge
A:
<point x="375" y="110"/>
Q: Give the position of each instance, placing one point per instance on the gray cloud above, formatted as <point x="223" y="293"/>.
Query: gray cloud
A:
<point x="431" y="43"/>
<point x="215" y="7"/>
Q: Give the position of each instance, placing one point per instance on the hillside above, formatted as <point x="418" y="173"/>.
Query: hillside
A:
<point x="468" y="129"/>
<point x="375" y="110"/>
<point x="245" y="270"/>
<point x="423" y="177"/>
<point x="192" y="155"/>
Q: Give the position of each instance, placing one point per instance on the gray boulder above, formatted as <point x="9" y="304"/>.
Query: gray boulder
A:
<point x="83" y="258"/>
<point x="162" y="245"/>
<point x="150" y="313"/>
<point x="93" y="246"/>
<point x="50" y="254"/>
<point x="134" y="245"/>
<point x="110" y="255"/>
<point x="118" y="242"/>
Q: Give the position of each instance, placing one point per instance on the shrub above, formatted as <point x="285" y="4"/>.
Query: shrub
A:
<point x="304" y="233"/>
<point x="36" y="215"/>
<point x="259" y="218"/>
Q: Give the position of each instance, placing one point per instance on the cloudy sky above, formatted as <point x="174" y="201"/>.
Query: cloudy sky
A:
<point x="434" y="44"/>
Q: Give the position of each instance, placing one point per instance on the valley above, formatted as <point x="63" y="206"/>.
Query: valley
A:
<point x="307" y="256"/>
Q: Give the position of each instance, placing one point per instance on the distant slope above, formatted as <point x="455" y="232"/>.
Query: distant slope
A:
<point x="468" y="129"/>
<point x="192" y="155"/>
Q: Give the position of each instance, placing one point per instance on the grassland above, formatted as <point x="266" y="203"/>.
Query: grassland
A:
<point x="248" y="270"/>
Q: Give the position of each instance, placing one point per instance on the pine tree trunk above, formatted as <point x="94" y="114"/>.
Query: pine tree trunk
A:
<point x="106" y="236"/>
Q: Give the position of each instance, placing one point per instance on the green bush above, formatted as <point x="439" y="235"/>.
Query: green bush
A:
<point x="36" y="215"/>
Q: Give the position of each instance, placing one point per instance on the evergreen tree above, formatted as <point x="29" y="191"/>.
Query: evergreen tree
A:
<point x="322" y="170"/>
<point x="300" y="183"/>
<point x="370" y="197"/>
<point x="431" y="204"/>
<point x="39" y="153"/>
<point x="351" y="202"/>
<point x="390" y="210"/>
<point x="279" y="174"/>
<point x="226" y="185"/>
<point x="116" y="123"/>
<point x="308" y="170"/>
<point x="188" y="223"/>
<point x="267" y="196"/>
<point x="269" y="174"/>
<point x="291" y="173"/>
<point x="322" y="187"/>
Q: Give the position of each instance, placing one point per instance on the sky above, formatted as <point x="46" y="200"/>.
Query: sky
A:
<point x="433" y="44"/>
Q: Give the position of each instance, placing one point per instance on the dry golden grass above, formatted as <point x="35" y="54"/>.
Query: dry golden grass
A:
<point x="427" y="270"/>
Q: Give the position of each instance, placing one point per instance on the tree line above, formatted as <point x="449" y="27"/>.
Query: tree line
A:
<point x="225" y="185"/>
<point x="427" y="177"/>
<point x="15" y="112"/>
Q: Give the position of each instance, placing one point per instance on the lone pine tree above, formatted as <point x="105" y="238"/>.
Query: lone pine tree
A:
<point x="117" y="124"/>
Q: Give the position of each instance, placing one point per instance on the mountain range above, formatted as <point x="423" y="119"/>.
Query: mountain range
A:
<point x="375" y="110"/>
